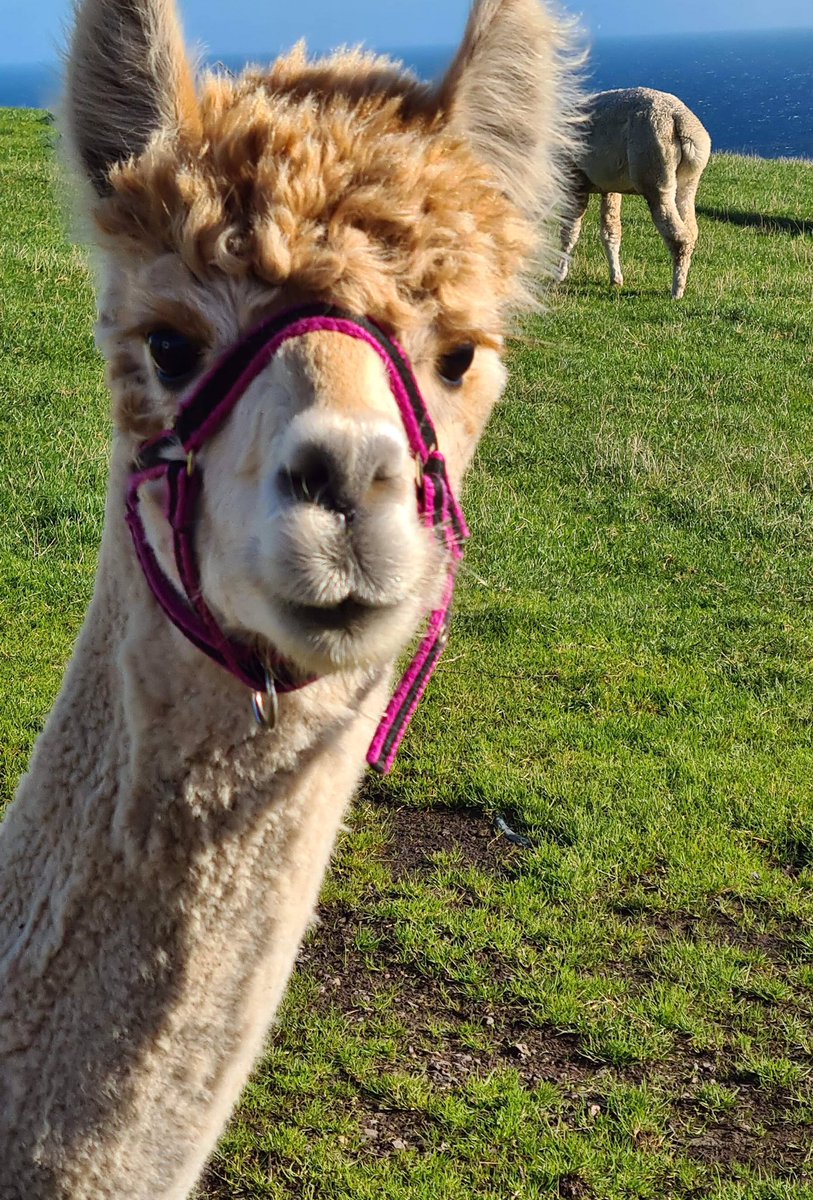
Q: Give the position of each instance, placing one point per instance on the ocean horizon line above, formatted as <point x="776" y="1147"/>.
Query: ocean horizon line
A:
<point x="211" y="58"/>
<point x="750" y="88"/>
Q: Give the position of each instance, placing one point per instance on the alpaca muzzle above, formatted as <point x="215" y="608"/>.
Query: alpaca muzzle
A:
<point x="172" y="456"/>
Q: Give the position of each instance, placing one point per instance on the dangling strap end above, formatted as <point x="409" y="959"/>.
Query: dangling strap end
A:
<point x="400" y="710"/>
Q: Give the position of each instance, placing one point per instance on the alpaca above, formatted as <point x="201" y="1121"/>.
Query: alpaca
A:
<point x="261" y="242"/>
<point x="645" y="143"/>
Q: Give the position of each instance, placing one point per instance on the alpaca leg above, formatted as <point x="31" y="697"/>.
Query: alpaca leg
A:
<point x="611" y="235"/>
<point x="686" y="192"/>
<point x="571" y="228"/>
<point x="684" y="200"/>
<point x="679" y="241"/>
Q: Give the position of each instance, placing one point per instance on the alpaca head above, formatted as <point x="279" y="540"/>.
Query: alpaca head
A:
<point x="216" y="202"/>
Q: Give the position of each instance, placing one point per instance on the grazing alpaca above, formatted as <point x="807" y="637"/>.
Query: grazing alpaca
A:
<point x="165" y="850"/>
<point x="648" y="144"/>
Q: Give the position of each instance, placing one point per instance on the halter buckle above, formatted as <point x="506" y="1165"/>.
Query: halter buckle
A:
<point x="265" y="705"/>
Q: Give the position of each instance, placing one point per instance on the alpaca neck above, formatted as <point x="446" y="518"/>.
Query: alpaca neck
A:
<point x="157" y="872"/>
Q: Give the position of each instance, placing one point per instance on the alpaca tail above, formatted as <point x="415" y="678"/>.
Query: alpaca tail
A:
<point x="695" y="143"/>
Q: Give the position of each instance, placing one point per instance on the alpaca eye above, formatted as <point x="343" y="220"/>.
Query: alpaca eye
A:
<point x="176" y="357"/>
<point x="453" y="366"/>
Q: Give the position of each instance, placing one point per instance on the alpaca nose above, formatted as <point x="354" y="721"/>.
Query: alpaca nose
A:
<point x="338" y="472"/>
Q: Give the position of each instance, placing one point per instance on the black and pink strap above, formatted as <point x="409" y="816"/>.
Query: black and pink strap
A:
<point x="171" y="455"/>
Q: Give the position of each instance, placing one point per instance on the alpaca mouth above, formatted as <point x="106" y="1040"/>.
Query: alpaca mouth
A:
<point x="345" y="616"/>
<point x="352" y="633"/>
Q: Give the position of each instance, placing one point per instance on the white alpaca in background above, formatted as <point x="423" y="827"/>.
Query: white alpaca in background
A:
<point x="637" y="141"/>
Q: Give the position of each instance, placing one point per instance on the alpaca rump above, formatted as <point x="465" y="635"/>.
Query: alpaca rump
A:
<point x="163" y="854"/>
<point x="647" y="143"/>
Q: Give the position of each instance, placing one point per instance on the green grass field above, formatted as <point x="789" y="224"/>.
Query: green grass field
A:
<point x="624" y="1008"/>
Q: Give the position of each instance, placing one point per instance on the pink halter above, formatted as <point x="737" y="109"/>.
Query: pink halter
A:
<point x="171" y="454"/>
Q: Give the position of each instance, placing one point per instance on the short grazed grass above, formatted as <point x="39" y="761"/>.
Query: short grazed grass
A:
<point x="624" y="1009"/>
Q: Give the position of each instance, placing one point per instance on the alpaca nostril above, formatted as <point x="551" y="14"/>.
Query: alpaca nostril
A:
<point x="309" y="486"/>
<point x="316" y="477"/>
<point x="344" y="471"/>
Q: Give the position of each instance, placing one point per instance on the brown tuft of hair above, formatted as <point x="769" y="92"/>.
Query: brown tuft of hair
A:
<point x="317" y="176"/>
<point x="344" y="178"/>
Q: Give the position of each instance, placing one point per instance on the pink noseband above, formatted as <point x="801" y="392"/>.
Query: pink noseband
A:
<point x="172" y="455"/>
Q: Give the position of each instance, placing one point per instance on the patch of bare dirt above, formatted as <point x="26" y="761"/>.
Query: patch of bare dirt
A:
<point x="386" y="1131"/>
<point x="422" y="1004"/>
<point x="419" y="834"/>
<point x="573" y="1187"/>
<point x="438" y="1021"/>
<point x="756" y="1133"/>
<point x="785" y="1149"/>
<point x="726" y="929"/>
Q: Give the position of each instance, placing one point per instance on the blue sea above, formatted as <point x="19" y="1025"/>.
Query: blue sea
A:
<point x="753" y="91"/>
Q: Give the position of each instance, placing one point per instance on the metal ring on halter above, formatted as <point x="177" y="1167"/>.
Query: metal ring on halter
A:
<point x="265" y="705"/>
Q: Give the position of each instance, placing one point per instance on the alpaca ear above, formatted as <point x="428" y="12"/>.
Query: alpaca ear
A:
<point x="127" y="78"/>
<point x="512" y="90"/>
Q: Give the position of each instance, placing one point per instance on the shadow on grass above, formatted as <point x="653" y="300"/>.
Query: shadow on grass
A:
<point x="597" y="289"/>
<point x="756" y="220"/>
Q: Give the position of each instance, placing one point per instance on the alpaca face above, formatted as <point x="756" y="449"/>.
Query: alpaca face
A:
<point x="309" y="536"/>
<point x="218" y="202"/>
<point x="313" y="510"/>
